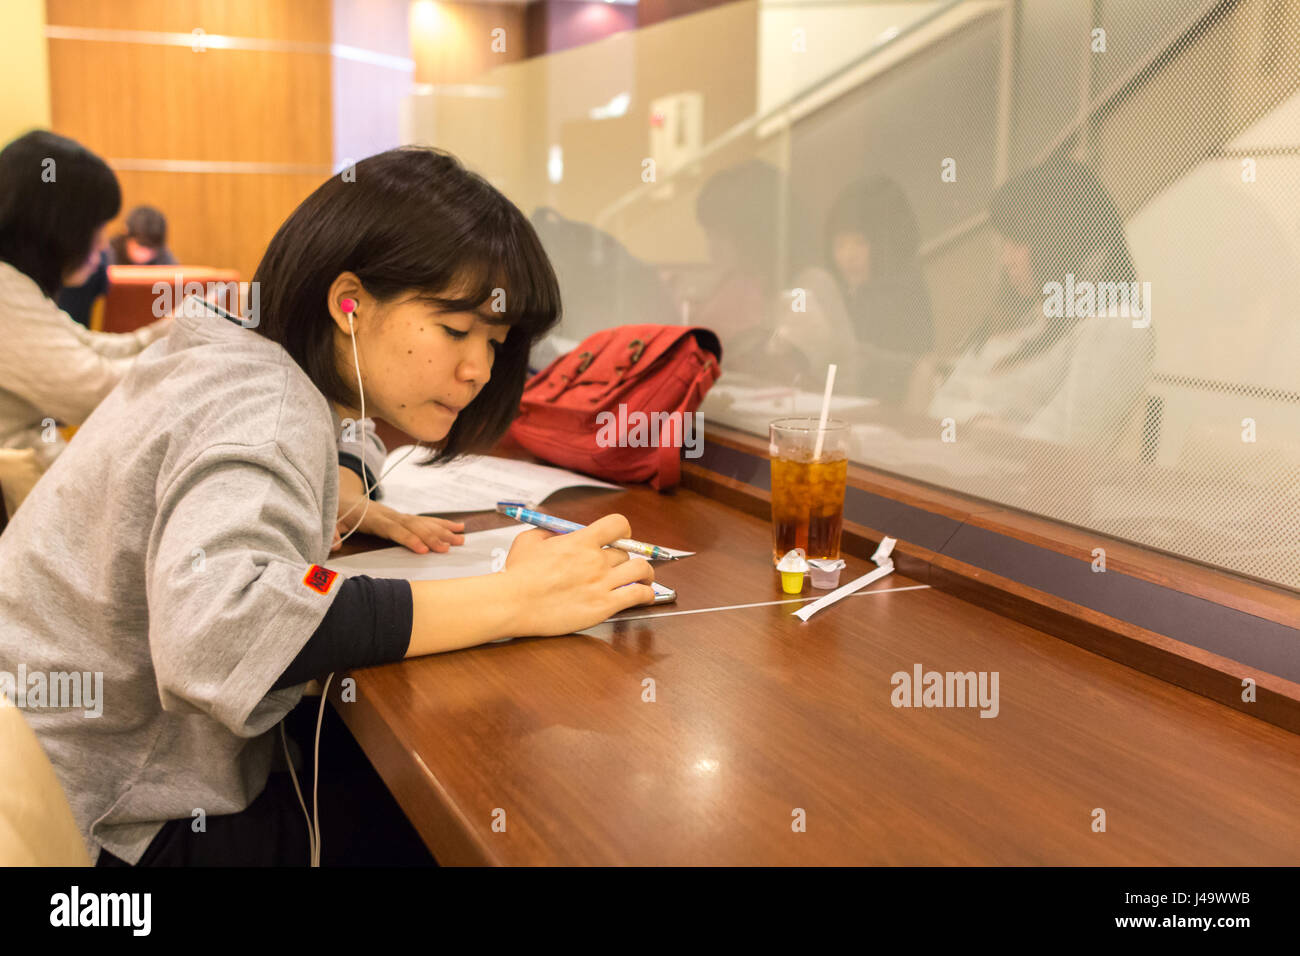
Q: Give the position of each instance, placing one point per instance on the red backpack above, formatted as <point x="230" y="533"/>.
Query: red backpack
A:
<point x="653" y="370"/>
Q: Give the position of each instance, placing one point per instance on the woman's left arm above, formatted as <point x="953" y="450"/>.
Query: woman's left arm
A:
<point x="419" y="533"/>
<point x="362" y="449"/>
<point x="122" y="344"/>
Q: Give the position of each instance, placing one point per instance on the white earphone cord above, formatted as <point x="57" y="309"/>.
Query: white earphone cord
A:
<point x="361" y="389"/>
<point x="313" y="818"/>
<point x="380" y="480"/>
<point x="356" y="363"/>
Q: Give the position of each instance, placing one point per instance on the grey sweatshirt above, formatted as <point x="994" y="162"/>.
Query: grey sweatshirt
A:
<point x="169" y="548"/>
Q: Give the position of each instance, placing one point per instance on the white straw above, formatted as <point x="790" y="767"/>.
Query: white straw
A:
<point x="826" y="409"/>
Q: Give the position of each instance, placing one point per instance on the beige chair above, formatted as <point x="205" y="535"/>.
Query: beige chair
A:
<point x="19" y="471"/>
<point x="36" y="823"/>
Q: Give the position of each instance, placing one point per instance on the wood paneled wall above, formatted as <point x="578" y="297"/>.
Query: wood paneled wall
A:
<point x="149" y="103"/>
<point x="452" y="42"/>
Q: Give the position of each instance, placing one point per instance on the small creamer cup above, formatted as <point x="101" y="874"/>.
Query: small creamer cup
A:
<point x="825" y="573"/>
<point x="793" y="566"/>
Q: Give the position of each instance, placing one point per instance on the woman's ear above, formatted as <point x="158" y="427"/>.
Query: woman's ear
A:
<point x="347" y="287"/>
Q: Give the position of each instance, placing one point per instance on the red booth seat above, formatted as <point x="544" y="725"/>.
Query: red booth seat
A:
<point x="135" y="296"/>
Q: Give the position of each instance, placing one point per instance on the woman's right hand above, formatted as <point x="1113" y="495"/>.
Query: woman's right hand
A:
<point x="567" y="582"/>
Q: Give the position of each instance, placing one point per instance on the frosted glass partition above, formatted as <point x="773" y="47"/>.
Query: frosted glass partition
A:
<point x="1053" y="245"/>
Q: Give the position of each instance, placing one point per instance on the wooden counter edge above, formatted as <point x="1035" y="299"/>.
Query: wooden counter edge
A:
<point x="408" y="779"/>
<point x="1202" y="672"/>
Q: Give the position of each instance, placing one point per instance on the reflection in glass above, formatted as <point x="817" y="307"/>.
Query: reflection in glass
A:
<point x="1058" y="358"/>
<point x="947" y="201"/>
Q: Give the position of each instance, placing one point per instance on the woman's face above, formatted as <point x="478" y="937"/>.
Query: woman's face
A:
<point x="852" y="254"/>
<point x="419" y="366"/>
<point x="82" y="273"/>
<point x="1015" y="260"/>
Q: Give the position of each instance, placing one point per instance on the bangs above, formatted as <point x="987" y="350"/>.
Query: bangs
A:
<point x="505" y="277"/>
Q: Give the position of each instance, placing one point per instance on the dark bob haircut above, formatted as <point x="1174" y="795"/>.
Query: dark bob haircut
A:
<point x="147" y="226"/>
<point x="1063" y="212"/>
<point x="411" y="222"/>
<point x="1066" y="216"/>
<point x="54" y="195"/>
<point x="877" y="209"/>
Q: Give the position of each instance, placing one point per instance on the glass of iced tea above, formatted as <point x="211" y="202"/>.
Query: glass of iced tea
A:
<point x="807" y="488"/>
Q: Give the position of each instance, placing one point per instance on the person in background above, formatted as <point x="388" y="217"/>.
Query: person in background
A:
<point x="143" y="244"/>
<point x="56" y="197"/>
<point x="769" y="332"/>
<point x="1026" y="370"/>
<point x="738" y="209"/>
<point x="872" y="244"/>
<point x="869" y="311"/>
<point x="79" y="300"/>
<point x="601" y="282"/>
<point x="145" y="241"/>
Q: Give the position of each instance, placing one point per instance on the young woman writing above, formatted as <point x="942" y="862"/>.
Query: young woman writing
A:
<point x="176" y="546"/>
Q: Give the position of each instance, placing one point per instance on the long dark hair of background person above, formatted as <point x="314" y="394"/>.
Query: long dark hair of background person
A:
<point x="54" y="196"/>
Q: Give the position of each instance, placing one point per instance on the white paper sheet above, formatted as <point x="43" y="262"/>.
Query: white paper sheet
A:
<point x="472" y="483"/>
<point x="473" y="557"/>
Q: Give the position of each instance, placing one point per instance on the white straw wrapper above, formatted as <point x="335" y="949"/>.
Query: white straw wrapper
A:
<point x="886" y="567"/>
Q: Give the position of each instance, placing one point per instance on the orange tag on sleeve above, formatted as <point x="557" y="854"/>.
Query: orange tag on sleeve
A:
<point x="320" y="579"/>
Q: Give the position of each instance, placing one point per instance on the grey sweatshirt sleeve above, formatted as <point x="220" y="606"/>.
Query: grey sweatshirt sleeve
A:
<point x="233" y="589"/>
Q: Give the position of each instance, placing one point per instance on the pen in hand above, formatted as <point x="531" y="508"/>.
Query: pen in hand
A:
<point x="521" y="512"/>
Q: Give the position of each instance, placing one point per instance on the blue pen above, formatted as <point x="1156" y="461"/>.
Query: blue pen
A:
<point x="521" y="512"/>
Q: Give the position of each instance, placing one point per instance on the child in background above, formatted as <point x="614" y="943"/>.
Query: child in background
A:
<point x="143" y="244"/>
<point x="145" y="241"/>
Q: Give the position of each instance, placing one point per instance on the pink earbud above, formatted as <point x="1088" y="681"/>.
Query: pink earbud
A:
<point x="348" y="305"/>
